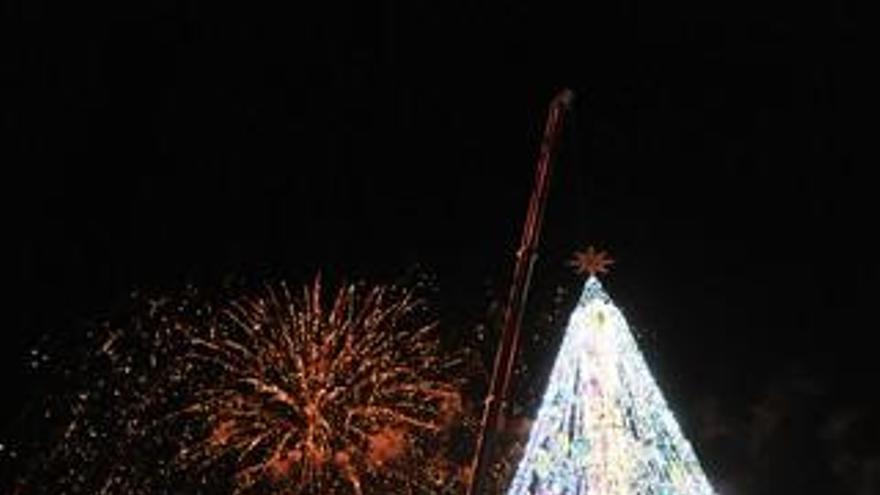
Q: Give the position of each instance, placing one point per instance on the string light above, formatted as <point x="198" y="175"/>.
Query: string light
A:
<point x="603" y="427"/>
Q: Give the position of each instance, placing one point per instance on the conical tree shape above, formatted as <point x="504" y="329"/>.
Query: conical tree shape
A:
<point x="603" y="427"/>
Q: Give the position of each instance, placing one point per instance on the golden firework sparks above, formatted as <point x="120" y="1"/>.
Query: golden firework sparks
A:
<point x="274" y="392"/>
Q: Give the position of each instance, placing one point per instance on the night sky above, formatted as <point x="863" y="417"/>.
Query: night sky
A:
<point x="717" y="152"/>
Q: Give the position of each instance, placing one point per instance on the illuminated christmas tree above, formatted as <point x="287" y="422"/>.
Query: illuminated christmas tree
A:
<point x="603" y="427"/>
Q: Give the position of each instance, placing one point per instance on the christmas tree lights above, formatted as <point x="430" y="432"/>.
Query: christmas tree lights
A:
<point x="603" y="427"/>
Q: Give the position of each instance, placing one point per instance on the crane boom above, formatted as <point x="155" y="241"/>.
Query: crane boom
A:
<point x="496" y="400"/>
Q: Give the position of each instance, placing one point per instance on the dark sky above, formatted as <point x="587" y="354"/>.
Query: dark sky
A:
<point x="718" y="152"/>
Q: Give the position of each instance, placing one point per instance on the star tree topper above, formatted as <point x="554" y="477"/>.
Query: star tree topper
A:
<point x="591" y="261"/>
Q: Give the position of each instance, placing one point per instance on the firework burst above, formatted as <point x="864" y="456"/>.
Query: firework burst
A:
<point x="276" y="392"/>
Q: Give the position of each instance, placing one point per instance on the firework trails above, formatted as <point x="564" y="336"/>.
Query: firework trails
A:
<point x="274" y="393"/>
<point x="603" y="427"/>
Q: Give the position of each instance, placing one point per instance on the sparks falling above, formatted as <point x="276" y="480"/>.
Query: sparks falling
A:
<point x="274" y="392"/>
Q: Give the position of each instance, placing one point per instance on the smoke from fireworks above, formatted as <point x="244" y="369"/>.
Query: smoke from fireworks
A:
<point x="275" y="392"/>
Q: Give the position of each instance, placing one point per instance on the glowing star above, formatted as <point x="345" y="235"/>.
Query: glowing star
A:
<point x="603" y="427"/>
<point x="591" y="262"/>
